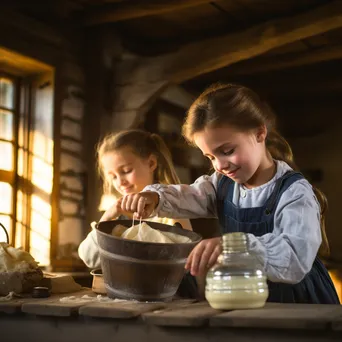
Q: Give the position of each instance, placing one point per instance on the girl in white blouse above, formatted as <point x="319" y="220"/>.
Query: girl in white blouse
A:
<point x="128" y="161"/>
<point x="253" y="190"/>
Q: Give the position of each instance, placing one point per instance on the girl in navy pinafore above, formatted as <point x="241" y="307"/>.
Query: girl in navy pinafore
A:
<point x="253" y="190"/>
<point x="316" y="287"/>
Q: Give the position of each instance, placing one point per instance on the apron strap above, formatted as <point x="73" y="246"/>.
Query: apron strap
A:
<point x="287" y="179"/>
<point x="223" y="189"/>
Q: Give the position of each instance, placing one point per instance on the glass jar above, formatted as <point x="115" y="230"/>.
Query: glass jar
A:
<point x="237" y="280"/>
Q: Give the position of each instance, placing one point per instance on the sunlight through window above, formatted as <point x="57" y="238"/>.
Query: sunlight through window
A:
<point x="6" y="153"/>
<point x="40" y="228"/>
<point x="6" y="222"/>
<point x="5" y="198"/>
<point x="27" y="155"/>
<point x="42" y="174"/>
<point x="40" y="248"/>
<point x="6" y="93"/>
<point x="6" y="124"/>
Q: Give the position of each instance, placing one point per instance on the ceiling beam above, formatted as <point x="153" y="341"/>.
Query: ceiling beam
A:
<point x="206" y="56"/>
<point x="137" y="9"/>
<point x="211" y="54"/>
<point x="178" y="96"/>
<point x="265" y="64"/>
<point x="11" y="20"/>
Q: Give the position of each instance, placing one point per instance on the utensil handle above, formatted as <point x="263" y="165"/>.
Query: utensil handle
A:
<point x="6" y="233"/>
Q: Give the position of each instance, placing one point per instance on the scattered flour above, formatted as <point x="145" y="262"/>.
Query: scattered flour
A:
<point x="87" y="298"/>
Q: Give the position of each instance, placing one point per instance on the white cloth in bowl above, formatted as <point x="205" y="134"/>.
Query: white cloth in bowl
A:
<point x="143" y="232"/>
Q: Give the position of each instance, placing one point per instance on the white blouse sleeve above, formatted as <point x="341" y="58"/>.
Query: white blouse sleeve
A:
<point x="288" y="253"/>
<point x="187" y="201"/>
<point x="88" y="251"/>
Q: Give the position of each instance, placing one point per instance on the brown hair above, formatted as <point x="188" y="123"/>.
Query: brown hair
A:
<point x="240" y="107"/>
<point x="143" y="144"/>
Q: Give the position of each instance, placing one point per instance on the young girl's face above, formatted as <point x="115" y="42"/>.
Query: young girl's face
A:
<point x="236" y="154"/>
<point x="128" y="172"/>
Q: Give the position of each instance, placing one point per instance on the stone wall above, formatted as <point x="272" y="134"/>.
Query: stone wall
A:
<point x="73" y="171"/>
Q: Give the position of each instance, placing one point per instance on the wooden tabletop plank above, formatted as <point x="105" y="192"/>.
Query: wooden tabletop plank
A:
<point x="337" y="323"/>
<point x="281" y="316"/>
<point x="53" y="306"/>
<point x="127" y="309"/>
<point x="11" y="306"/>
<point x="197" y="314"/>
<point x="118" y="309"/>
<point x="15" y="304"/>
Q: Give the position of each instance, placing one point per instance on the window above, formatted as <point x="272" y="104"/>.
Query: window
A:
<point x="7" y="139"/>
<point x="26" y="161"/>
<point x="35" y="167"/>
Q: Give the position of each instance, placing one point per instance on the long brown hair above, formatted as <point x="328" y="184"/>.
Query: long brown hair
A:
<point x="143" y="144"/>
<point x="242" y="108"/>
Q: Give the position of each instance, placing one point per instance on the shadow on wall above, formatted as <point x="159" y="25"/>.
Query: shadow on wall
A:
<point x="322" y="154"/>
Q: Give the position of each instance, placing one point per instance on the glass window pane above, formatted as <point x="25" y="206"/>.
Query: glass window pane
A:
<point x="5" y="198"/>
<point x="40" y="248"/>
<point x="6" y="93"/>
<point x="21" y="133"/>
<point x="6" y="222"/>
<point x="41" y="216"/>
<point x="21" y="162"/>
<point x="43" y="115"/>
<point x="6" y="153"/>
<point x="42" y="139"/>
<point x="40" y="230"/>
<point x="42" y="174"/>
<point x="20" y="228"/>
<point x="19" y="235"/>
<point x="20" y="206"/>
<point x="6" y="125"/>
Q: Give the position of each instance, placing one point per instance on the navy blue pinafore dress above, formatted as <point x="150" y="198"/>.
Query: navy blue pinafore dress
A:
<point x="317" y="286"/>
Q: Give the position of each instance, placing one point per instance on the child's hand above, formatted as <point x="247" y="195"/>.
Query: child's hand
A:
<point x="113" y="212"/>
<point x="141" y="204"/>
<point x="204" y="256"/>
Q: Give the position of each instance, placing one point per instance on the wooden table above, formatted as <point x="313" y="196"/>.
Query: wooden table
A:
<point x="30" y="319"/>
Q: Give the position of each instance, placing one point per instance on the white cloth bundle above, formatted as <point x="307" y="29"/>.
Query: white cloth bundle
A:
<point x="143" y="232"/>
<point x="15" y="259"/>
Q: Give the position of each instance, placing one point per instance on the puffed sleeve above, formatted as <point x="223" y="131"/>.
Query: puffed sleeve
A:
<point x="88" y="251"/>
<point x="288" y="253"/>
<point x="187" y="201"/>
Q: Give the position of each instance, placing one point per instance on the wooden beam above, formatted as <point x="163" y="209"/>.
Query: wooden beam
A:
<point x="266" y="64"/>
<point x="21" y="65"/>
<point x="210" y="54"/>
<point x="203" y="57"/>
<point x="137" y="9"/>
<point x="170" y="108"/>
<point x="178" y="96"/>
<point x="11" y="20"/>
